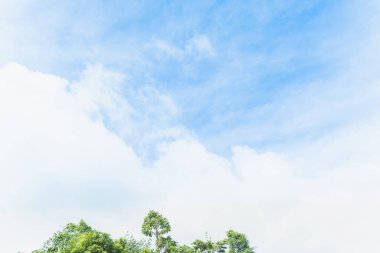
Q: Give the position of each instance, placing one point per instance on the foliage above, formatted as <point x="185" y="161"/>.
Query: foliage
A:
<point x="237" y="242"/>
<point x="203" y="246"/>
<point x="81" y="238"/>
<point x="209" y="246"/>
<point x="128" y="244"/>
<point x="94" y="242"/>
<point x="156" y="225"/>
<point x="60" y="241"/>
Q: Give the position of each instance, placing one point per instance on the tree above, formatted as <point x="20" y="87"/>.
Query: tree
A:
<point x="185" y="249"/>
<point x="167" y="245"/>
<point x="128" y="244"/>
<point x="156" y="225"/>
<point x="209" y="246"/>
<point x="237" y="242"/>
<point x="81" y="238"/>
<point x="94" y="242"/>
<point x="61" y="240"/>
<point x="203" y="246"/>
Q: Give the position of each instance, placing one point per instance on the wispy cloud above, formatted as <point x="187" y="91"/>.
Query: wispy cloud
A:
<point x="196" y="46"/>
<point x="141" y="116"/>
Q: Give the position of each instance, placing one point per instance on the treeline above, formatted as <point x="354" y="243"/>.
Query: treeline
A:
<point x="81" y="238"/>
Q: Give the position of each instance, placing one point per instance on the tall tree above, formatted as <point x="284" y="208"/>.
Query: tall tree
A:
<point x="157" y="226"/>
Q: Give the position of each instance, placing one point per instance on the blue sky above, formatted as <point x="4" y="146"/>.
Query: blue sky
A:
<point x="261" y="50"/>
<point x="111" y="108"/>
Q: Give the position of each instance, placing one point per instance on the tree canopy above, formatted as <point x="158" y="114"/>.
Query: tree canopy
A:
<point x="81" y="238"/>
<point x="156" y="225"/>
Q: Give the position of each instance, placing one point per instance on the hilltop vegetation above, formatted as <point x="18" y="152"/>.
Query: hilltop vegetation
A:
<point x="81" y="238"/>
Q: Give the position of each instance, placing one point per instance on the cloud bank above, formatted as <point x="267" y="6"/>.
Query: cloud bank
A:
<point x="66" y="155"/>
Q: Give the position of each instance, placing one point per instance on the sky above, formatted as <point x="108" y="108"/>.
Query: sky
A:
<point x="260" y="116"/>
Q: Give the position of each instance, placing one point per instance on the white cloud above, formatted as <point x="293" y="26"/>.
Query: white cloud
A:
<point x="197" y="46"/>
<point x="201" y="45"/>
<point x="167" y="49"/>
<point x="60" y="163"/>
<point x="141" y="116"/>
<point x="48" y="145"/>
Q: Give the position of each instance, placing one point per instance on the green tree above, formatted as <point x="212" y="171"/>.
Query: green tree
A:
<point x="237" y="242"/>
<point x="81" y="238"/>
<point x="209" y="246"/>
<point x="92" y="242"/>
<point x="234" y="243"/>
<point x="167" y="245"/>
<point x="130" y="245"/>
<point x="203" y="246"/>
<point x="157" y="226"/>
<point x="185" y="249"/>
<point x="61" y="240"/>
